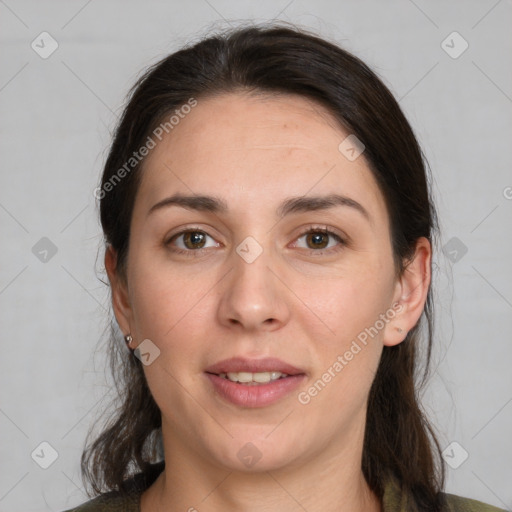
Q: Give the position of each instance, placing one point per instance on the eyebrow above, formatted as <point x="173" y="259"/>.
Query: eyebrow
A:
<point x="192" y="202"/>
<point x="291" y="205"/>
<point x="311" y="203"/>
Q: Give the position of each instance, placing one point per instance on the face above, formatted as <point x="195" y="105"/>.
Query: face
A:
<point x="273" y="245"/>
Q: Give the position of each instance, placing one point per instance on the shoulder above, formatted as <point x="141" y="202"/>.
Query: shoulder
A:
<point x="396" y="499"/>
<point x="454" y="503"/>
<point x="110" y="502"/>
<point x="127" y="500"/>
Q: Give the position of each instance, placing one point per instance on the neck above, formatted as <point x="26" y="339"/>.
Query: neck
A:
<point x="331" y="481"/>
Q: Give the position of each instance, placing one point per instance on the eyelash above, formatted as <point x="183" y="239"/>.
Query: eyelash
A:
<point x="324" y="231"/>
<point x="309" y="230"/>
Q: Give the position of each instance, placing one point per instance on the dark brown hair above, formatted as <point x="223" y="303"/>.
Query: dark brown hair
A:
<point x="281" y="59"/>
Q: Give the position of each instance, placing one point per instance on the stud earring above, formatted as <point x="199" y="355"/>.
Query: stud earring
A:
<point x="128" y="339"/>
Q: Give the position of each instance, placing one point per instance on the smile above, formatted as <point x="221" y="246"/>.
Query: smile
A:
<point x="253" y="378"/>
<point x="251" y="393"/>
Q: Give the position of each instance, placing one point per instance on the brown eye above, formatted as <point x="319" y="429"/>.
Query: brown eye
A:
<point x="191" y="240"/>
<point x="317" y="240"/>
<point x="194" y="239"/>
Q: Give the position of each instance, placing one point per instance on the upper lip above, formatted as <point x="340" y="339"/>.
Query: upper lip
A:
<point x="242" y="364"/>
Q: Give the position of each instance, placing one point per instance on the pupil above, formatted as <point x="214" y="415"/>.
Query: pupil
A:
<point x="194" y="240"/>
<point x="318" y="240"/>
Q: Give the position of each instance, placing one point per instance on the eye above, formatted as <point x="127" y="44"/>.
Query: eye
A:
<point x="318" y="239"/>
<point x="192" y="240"/>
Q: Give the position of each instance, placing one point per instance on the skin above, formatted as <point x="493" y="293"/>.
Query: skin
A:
<point x="296" y="302"/>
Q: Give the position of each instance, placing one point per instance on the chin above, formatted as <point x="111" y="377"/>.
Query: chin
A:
<point x="255" y="454"/>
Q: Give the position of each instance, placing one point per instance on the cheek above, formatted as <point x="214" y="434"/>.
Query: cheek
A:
<point x="173" y="310"/>
<point x="341" y="307"/>
<point x="164" y="298"/>
<point x="346" y="332"/>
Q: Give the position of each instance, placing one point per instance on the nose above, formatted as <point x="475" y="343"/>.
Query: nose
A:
<point x="253" y="298"/>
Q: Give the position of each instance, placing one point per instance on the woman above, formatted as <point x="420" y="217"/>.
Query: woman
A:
<point x="268" y="232"/>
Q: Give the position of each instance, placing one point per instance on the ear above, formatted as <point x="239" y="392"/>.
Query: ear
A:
<point x="120" y="297"/>
<point x="411" y="294"/>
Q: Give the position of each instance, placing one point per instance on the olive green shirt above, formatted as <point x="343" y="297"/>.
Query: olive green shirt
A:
<point x="393" y="499"/>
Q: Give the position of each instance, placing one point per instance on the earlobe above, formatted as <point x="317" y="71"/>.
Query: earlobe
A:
<point x="120" y="299"/>
<point x="411" y="293"/>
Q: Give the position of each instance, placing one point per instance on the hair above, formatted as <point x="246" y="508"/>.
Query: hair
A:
<point x="281" y="59"/>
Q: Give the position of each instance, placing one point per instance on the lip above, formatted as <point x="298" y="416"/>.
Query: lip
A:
<point x="242" y="364"/>
<point x="259" y="395"/>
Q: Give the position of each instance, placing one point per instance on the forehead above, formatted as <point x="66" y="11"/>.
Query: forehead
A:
<point x="254" y="149"/>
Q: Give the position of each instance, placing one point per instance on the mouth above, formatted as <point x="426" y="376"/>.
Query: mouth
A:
<point x="244" y="365"/>
<point x="252" y="379"/>
<point x="253" y="382"/>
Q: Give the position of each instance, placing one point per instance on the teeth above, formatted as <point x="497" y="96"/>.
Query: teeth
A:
<point x="248" y="377"/>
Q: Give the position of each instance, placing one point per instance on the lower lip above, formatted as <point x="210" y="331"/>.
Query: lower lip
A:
<point x="258" y="395"/>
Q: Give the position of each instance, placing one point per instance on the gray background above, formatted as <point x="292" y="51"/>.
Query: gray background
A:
<point x="56" y="117"/>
